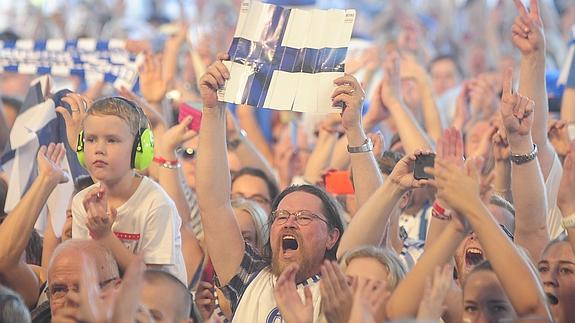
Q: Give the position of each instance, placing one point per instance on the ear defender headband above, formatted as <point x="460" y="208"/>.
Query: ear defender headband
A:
<point x="142" y="149"/>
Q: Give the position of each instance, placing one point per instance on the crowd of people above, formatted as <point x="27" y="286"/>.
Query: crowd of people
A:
<point x="457" y="144"/>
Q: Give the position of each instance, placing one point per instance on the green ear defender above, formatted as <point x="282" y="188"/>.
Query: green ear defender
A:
<point x="142" y="149"/>
<point x="80" y="149"/>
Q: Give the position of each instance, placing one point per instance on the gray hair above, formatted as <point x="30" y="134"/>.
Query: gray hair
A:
<point x="12" y="307"/>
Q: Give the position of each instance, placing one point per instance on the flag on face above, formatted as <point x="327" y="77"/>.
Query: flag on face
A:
<point x="287" y="59"/>
<point x="37" y="125"/>
<point x="87" y="58"/>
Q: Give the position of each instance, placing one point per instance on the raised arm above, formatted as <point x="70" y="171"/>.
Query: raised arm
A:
<point x="519" y="282"/>
<point x="431" y="116"/>
<point x="319" y="158"/>
<point x="171" y="52"/>
<point x="366" y="175"/>
<point x="565" y="199"/>
<point x="528" y="37"/>
<point x="370" y="221"/>
<point x="411" y="133"/>
<point x="247" y="152"/>
<point x="172" y="181"/>
<point x="405" y="300"/>
<point x="18" y="225"/>
<point x="527" y="184"/>
<point x="222" y="234"/>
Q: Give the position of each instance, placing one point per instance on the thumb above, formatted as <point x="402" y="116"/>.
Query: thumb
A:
<point x="65" y="114"/>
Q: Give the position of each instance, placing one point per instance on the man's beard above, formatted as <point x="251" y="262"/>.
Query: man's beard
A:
<point x="305" y="266"/>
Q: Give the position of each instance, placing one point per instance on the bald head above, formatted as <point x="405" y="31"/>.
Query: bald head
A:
<point x="175" y="303"/>
<point x="106" y="264"/>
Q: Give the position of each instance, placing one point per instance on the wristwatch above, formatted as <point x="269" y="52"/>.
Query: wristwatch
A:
<point x="522" y="159"/>
<point x="367" y="146"/>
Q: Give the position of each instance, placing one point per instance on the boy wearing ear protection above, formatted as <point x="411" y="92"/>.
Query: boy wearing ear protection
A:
<point x="126" y="212"/>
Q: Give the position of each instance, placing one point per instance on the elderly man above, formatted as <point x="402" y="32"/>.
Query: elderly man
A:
<point x="65" y="272"/>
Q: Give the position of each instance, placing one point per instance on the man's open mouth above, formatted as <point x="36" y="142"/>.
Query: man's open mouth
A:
<point x="289" y="242"/>
<point x="473" y="257"/>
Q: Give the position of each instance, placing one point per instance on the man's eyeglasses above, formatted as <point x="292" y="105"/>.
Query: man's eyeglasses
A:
<point x="302" y="217"/>
<point x="58" y="291"/>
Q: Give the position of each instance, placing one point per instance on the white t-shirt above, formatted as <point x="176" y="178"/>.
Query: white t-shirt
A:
<point x="258" y="303"/>
<point x="148" y="221"/>
<point x="552" y="189"/>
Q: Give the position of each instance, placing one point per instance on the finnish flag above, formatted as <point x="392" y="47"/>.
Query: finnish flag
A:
<point x="38" y="124"/>
<point x="287" y="59"/>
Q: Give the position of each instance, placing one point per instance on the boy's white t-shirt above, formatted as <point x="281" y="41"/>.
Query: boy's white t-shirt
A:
<point x="147" y="222"/>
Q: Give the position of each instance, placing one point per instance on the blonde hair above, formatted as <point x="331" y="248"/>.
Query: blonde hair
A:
<point x="259" y="217"/>
<point x="122" y="108"/>
<point x="385" y="256"/>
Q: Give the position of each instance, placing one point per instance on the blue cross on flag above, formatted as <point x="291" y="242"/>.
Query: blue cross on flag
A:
<point x="287" y="59"/>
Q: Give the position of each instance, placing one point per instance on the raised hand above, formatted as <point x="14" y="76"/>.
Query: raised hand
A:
<point x="378" y="143"/>
<point x="99" y="220"/>
<point x="336" y="294"/>
<point x="459" y="188"/>
<point x="214" y="78"/>
<point x="450" y="147"/>
<point x="559" y="137"/>
<point x="402" y="173"/>
<point x="291" y="307"/>
<point x="74" y="118"/>
<point x="177" y="135"/>
<point x="483" y="96"/>
<point x="49" y="160"/>
<point x="391" y="83"/>
<point x="516" y="110"/>
<point x="527" y="30"/>
<point x="369" y="298"/>
<point x="350" y="93"/>
<point x="432" y="304"/>
<point x="500" y="145"/>
<point x="127" y="301"/>
<point x="376" y="111"/>
<point x="152" y="82"/>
